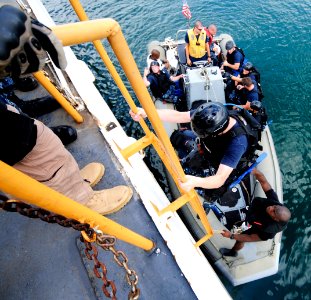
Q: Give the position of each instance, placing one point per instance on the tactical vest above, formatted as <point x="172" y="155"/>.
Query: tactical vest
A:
<point x="216" y="147"/>
<point x="203" y="159"/>
<point x="197" y="51"/>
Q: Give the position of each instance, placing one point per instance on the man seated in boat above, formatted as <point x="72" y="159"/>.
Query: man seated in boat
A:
<point x="247" y="92"/>
<point x="211" y="31"/>
<point x="234" y="60"/>
<point x="248" y="71"/>
<point x="162" y="84"/>
<point x="197" y="46"/>
<point x="224" y="140"/>
<point x="267" y="217"/>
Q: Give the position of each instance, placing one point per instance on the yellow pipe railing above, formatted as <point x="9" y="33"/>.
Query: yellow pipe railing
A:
<point x="49" y="86"/>
<point x="16" y="183"/>
<point x="86" y="31"/>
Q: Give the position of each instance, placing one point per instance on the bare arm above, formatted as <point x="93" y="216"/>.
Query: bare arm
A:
<point x="208" y="50"/>
<point x="242" y="237"/>
<point x="211" y="182"/>
<point x="146" y="72"/>
<point x="175" y="78"/>
<point x="247" y="105"/>
<point x="166" y="115"/>
<point x="262" y="180"/>
<point x="187" y="54"/>
<point x="236" y="78"/>
<point x="236" y="66"/>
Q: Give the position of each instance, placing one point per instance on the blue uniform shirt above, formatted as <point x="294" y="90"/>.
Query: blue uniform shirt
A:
<point x="235" y="150"/>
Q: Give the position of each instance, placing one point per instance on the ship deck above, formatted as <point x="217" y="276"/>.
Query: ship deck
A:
<point x="45" y="261"/>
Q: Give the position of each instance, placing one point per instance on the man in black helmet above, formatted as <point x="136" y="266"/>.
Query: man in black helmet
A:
<point x="248" y="71"/>
<point x="220" y="135"/>
<point x="233" y="91"/>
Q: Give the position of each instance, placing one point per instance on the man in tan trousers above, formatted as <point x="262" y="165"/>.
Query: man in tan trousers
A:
<point x="30" y="146"/>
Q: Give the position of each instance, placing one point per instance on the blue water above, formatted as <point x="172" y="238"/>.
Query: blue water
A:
<point x="275" y="35"/>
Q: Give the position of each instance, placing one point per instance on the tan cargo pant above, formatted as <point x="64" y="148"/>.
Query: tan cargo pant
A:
<point x="51" y="164"/>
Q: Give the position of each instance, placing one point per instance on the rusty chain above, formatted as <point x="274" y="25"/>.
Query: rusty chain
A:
<point x="106" y="242"/>
<point x="91" y="253"/>
<point x="46" y="216"/>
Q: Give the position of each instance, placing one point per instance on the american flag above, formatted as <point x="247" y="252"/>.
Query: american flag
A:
<point x="186" y="10"/>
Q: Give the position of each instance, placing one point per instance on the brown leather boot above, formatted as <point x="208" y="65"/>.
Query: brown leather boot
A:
<point x="110" y="200"/>
<point x="93" y="173"/>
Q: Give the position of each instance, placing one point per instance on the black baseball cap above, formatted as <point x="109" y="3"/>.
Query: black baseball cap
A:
<point x="154" y="63"/>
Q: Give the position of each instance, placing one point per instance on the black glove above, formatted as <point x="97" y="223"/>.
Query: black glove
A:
<point x="226" y="75"/>
<point x="23" y="42"/>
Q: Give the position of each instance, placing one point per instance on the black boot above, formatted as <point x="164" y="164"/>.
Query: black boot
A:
<point x="66" y="134"/>
<point x="26" y="84"/>
<point x="37" y="107"/>
<point x="228" y="252"/>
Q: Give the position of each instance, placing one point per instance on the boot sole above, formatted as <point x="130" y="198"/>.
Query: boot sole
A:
<point x="127" y="200"/>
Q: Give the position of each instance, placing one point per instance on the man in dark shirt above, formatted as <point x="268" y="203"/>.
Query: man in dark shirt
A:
<point x="234" y="61"/>
<point x="248" y="92"/>
<point x="247" y="71"/>
<point x="212" y="123"/>
<point x="267" y="216"/>
<point x="161" y="83"/>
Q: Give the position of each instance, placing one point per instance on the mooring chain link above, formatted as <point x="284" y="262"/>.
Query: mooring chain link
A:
<point x="100" y="270"/>
<point x="46" y="216"/>
<point x="107" y="242"/>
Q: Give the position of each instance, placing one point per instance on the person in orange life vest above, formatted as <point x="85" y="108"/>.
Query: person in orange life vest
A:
<point x="197" y="46"/>
<point x="211" y="31"/>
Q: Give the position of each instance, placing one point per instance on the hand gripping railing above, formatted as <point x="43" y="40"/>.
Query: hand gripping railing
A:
<point x="86" y="31"/>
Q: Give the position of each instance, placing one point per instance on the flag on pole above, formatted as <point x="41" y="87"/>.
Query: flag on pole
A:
<point x="186" y="10"/>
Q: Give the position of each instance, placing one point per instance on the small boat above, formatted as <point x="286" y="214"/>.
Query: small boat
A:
<point x="204" y="83"/>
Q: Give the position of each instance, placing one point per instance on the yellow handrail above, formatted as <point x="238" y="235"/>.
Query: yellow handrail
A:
<point x="16" y="183"/>
<point x="23" y="187"/>
<point x="95" y="30"/>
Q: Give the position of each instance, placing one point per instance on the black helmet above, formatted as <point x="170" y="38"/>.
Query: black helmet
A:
<point x="248" y="66"/>
<point x="209" y="119"/>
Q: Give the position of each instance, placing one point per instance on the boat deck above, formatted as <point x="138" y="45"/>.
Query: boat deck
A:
<point x="43" y="261"/>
